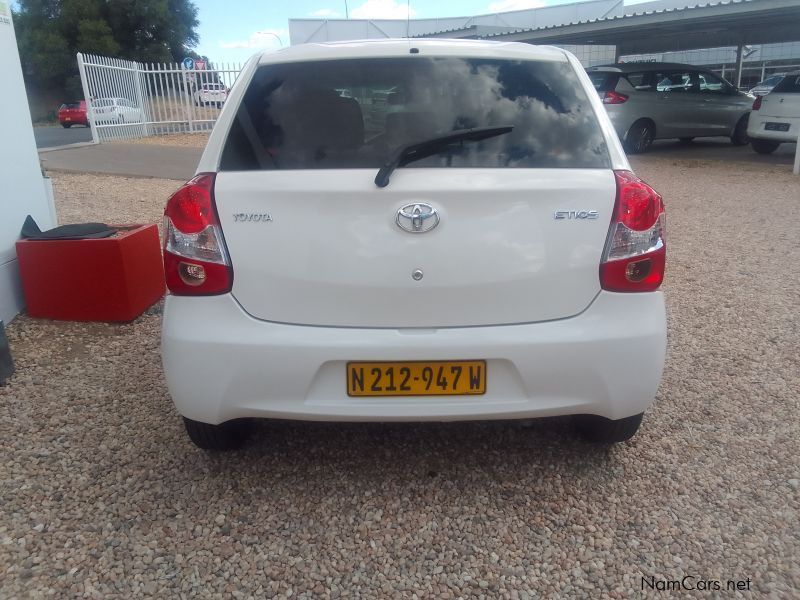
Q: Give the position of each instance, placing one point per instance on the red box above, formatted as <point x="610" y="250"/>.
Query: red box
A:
<point x="108" y="279"/>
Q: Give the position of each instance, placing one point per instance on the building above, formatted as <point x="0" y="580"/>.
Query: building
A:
<point x="743" y="40"/>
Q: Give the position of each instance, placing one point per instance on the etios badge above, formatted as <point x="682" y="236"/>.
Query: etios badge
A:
<point x="417" y="218"/>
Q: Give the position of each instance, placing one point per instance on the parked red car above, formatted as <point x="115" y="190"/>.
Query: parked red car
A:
<point x="73" y="113"/>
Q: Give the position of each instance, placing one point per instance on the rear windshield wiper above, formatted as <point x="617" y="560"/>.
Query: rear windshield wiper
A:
<point x="411" y="152"/>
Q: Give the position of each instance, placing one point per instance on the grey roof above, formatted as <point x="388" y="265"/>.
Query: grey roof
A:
<point x="638" y="67"/>
<point x="627" y="15"/>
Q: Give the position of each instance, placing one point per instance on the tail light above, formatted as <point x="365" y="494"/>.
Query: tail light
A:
<point x="612" y="97"/>
<point x="757" y="102"/>
<point x="635" y="253"/>
<point x="196" y="261"/>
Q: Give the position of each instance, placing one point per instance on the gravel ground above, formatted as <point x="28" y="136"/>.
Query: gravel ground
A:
<point x="190" y="140"/>
<point x="104" y="496"/>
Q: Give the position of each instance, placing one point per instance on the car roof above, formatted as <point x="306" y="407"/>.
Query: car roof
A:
<point x="638" y="67"/>
<point x="387" y="48"/>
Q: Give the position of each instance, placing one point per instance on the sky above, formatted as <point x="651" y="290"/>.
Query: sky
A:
<point x="233" y="30"/>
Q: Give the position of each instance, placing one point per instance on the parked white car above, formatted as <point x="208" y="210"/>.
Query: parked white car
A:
<point x="116" y="110"/>
<point x="776" y="117"/>
<point x="211" y="93"/>
<point x="482" y="251"/>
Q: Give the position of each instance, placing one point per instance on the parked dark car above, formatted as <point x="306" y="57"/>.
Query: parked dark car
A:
<point x="73" y="113"/>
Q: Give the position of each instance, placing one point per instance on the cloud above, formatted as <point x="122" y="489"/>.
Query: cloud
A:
<point x="266" y="38"/>
<point x="509" y="5"/>
<point x="326" y="13"/>
<point x="383" y="9"/>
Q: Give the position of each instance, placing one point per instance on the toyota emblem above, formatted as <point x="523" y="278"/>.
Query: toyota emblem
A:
<point x="417" y="217"/>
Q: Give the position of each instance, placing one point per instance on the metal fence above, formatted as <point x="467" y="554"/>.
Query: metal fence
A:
<point x="127" y="99"/>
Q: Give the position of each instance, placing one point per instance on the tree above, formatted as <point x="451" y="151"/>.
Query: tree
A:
<point x="51" y="32"/>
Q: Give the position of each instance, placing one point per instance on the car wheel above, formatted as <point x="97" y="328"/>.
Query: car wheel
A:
<point x="764" y="146"/>
<point x="686" y="140"/>
<point x="66" y="125"/>
<point x="595" y="428"/>
<point x="225" y="436"/>
<point x="640" y="137"/>
<point x="739" y="137"/>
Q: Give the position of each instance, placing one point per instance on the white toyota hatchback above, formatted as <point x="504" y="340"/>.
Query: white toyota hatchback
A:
<point x="413" y="231"/>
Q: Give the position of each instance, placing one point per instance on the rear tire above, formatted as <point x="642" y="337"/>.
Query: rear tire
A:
<point x="66" y="125"/>
<point x="600" y="430"/>
<point x="640" y="137"/>
<point x="764" y="146"/>
<point x="739" y="137"/>
<point x="225" y="436"/>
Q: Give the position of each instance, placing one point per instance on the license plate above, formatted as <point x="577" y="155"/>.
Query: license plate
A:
<point x="772" y="126"/>
<point x="68" y="119"/>
<point x="418" y="378"/>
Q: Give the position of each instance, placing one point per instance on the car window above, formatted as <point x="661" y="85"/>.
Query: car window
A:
<point x="71" y="105"/>
<point x="603" y="81"/>
<point x="640" y="81"/>
<point x="356" y="114"/>
<point x="104" y="102"/>
<point x="788" y="85"/>
<point x="771" y="81"/>
<point x="711" y="84"/>
<point x="675" y="81"/>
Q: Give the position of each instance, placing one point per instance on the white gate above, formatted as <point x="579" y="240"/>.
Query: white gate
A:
<point x="127" y="99"/>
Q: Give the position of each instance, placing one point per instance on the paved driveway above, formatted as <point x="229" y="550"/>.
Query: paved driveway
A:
<point x="50" y="136"/>
<point x="136" y="160"/>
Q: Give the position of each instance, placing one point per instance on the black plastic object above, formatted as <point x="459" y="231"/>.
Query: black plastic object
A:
<point x="6" y="364"/>
<point x="79" y="231"/>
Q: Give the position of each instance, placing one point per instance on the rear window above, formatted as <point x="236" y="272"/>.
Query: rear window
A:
<point x="356" y="113"/>
<point x="603" y="81"/>
<point x="789" y="85"/>
<point x="772" y="80"/>
<point x="71" y="105"/>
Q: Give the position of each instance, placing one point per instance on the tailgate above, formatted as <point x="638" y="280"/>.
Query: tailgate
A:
<point x="331" y="252"/>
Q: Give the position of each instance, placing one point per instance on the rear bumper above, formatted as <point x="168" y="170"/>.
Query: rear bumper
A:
<point x="72" y="119"/>
<point x="756" y="128"/>
<point x="222" y="364"/>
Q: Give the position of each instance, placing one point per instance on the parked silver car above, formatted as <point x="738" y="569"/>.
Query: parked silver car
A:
<point x="650" y="101"/>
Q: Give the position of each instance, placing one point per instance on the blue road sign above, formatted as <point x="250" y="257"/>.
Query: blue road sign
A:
<point x="188" y="63"/>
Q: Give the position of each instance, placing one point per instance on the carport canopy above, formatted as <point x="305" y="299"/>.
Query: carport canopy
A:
<point x="731" y="23"/>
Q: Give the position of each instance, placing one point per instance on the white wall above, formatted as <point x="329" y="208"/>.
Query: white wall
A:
<point x="23" y="188"/>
